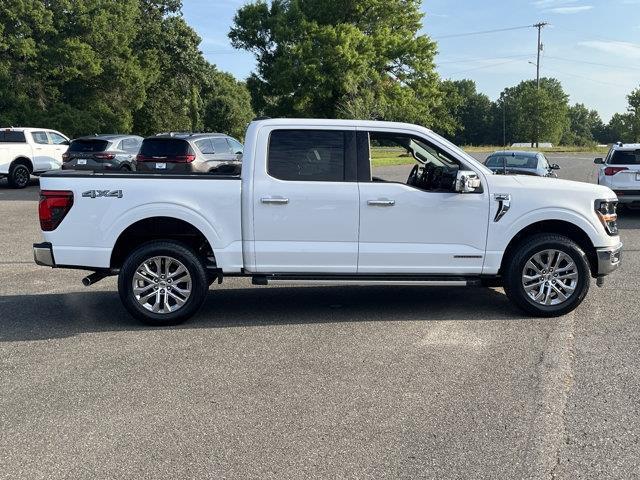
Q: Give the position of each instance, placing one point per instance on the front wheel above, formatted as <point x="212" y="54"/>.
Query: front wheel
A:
<point x="19" y="176"/>
<point x="162" y="283"/>
<point x="547" y="276"/>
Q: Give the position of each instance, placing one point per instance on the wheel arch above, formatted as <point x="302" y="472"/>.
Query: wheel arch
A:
<point x="560" y="227"/>
<point x="22" y="161"/>
<point x="161" y="228"/>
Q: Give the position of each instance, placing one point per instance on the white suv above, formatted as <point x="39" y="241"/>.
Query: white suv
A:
<point x="620" y="171"/>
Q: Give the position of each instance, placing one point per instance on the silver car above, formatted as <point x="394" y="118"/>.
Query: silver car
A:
<point x="214" y="153"/>
<point x="514" y="162"/>
<point x="102" y="152"/>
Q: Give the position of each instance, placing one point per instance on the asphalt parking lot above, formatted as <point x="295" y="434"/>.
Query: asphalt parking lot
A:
<point x="320" y="382"/>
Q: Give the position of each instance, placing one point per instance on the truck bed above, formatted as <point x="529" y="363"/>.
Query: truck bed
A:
<point x="105" y="204"/>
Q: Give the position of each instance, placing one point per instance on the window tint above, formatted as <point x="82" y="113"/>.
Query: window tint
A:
<point x="220" y="145"/>
<point x="628" y="157"/>
<point x="40" y="137"/>
<point x="517" y="161"/>
<point x="130" y="145"/>
<point x="236" y="146"/>
<point x="88" y="146"/>
<point x="164" y="147"/>
<point x="307" y="155"/>
<point x="11" y="136"/>
<point x="56" y="138"/>
<point x="205" y="146"/>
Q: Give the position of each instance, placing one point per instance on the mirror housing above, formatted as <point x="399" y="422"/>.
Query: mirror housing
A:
<point x="467" y="181"/>
<point x="555" y="166"/>
<point x="599" y="161"/>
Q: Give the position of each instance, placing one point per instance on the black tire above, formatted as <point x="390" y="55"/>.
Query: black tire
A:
<point x="19" y="176"/>
<point x="514" y="270"/>
<point x="173" y="250"/>
<point x="125" y="168"/>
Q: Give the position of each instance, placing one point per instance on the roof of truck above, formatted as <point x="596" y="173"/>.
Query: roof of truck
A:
<point x="372" y="124"/>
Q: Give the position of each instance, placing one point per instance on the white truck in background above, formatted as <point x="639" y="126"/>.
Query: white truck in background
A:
<point x="309" y="207"/>
<point x="29" y="151"/>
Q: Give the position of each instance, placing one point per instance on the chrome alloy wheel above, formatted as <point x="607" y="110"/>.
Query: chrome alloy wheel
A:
<point x="550" y="277"/>
<point x="162" y="284"/>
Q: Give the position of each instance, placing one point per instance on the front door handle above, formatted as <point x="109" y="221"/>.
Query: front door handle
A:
<point x="381" y="203"/>
<point x="275" y="200"/>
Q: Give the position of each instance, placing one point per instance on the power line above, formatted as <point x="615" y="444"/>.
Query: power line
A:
<point x="482" y="32"/>
<point x="487" y="66"/>
<point x="472" y="60"/>
<point x="593" y="63"/>
<point x="587" y="78"/>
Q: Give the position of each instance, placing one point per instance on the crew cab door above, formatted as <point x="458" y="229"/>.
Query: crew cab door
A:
<point x="409" y="230"/>
<point x="305" y="201"/>
<point x="42" y="151"/>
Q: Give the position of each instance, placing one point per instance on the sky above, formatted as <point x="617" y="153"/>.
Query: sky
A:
<point x="591" y="46"/>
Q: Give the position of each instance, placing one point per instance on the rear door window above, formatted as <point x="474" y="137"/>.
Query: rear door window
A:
<point x="307" y="155"/>
<point x="205" y="146"/>
<point x="130" y="145"/>
<point x="40" y="138"/>
<point x="236" y="146"/>
<point x="88" y="146"/>
<point x="12" y="136"/>
<point x="625" y="157"/>
<point x="164" y="147"/>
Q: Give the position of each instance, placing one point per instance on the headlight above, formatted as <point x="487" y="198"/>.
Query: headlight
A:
<point x="606" y="211"/>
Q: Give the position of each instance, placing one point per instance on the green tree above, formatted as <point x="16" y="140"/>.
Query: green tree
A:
<point x="634" y="114"/>
<point x="227" y="104"/>
<point x="533" y="113"/>
<point x="582" y="126"/>
<point x="470" y="111"/>
<point x="330" y="58"/>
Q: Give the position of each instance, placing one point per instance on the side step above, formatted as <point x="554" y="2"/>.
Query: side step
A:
<point x="416" y="280"/>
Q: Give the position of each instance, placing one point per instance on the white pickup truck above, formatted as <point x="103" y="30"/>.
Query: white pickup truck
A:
<point x="311" y="208"/>
<point x="27" y="151"/>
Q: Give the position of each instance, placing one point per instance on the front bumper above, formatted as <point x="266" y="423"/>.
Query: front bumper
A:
<point x="43" y="254"/>
<point x="609" y="259"/>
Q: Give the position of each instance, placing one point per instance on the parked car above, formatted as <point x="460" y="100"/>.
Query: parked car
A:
<point x="190" y="152"/>
<point x="306" y="209"/>
<point x="102" y="152"/>
<point x="620" y="171"/>
<point x="515" y="162"/>
<point x="29" y="151"/>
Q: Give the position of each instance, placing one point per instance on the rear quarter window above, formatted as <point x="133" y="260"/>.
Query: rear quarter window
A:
<point x="164" y="147"/>
<point x="12" y="137"/>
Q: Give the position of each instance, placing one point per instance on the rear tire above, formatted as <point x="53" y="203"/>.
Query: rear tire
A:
<point x="19" y="176"/>
<point x="162" y="283"/>
<point x="547" y="276"/>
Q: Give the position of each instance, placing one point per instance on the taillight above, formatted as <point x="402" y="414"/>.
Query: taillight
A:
<point x="104" y="156"/>
<point x="142" y="158"/>
<point x="53" y="207"/>
<point x="609" y="171"/>
<point x="65" y="157"/>
<point x="185" y="158"/>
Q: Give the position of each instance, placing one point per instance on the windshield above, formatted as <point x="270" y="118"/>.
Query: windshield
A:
<point x="512" y="161"/>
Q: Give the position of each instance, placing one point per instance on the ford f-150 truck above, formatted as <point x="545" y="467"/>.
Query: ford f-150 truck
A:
<point x="310" y="207"/>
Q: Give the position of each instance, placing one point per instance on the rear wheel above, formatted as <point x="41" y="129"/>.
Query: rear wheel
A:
<point x="547" y="276"/>
<point x="163" y="283"/>
<point x="19" y="176"/>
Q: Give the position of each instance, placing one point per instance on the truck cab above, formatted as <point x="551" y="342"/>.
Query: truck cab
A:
<point x="311" y="206"/>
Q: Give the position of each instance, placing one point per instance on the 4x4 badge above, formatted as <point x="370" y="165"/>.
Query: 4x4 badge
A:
<point x="102" y="193"/>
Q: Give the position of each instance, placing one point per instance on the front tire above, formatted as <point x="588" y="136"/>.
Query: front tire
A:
<point x="19" y="176"/>
<point x="162" y="283"/>
<point x="547" y="276"/>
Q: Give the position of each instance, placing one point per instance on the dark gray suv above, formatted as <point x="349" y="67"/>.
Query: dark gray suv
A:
<point x="102" y="152"/>
<point x="214" y="153"/>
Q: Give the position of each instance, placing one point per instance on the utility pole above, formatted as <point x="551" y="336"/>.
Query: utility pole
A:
<point x="539" y="26"/>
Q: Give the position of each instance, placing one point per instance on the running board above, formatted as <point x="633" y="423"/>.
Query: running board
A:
<point x="423" y="281"/>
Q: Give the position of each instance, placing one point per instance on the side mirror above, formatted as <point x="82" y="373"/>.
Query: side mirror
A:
<point x="467" y="181"/>
<point x="599" y="161"/>
<point x="555" y="166"/>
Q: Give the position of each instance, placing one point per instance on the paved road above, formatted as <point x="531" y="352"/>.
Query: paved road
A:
<point x="313" y="382"/>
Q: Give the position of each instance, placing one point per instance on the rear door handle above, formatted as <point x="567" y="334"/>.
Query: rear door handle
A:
<point x="275" y="200"/>
<point x="381" y="203"/>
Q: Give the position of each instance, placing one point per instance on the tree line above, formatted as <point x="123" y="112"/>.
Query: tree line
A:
<point x="87" y="66"/>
